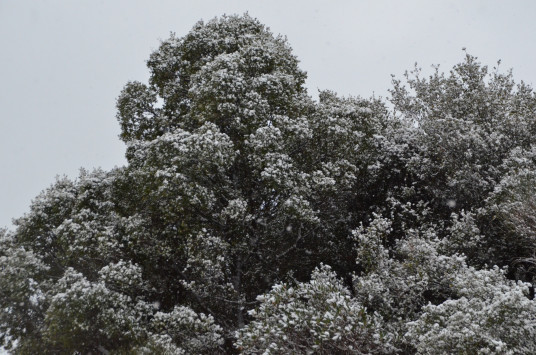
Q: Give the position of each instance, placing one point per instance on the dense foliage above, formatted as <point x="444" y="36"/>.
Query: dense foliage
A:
<point x="251" y="218"/>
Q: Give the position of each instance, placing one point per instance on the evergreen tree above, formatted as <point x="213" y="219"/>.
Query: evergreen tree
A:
<point x="240" y="190"/>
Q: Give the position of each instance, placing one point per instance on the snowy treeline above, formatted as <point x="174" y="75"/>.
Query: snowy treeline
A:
<point x="251" y="218"/>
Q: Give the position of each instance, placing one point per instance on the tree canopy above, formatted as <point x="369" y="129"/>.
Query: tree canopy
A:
<point x="251" y="218"/>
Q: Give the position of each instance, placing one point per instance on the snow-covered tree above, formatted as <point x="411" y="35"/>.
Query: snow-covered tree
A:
<point x="490" y="315"/>
<point x="468" y="122"/>
<point x="319" y="316"/>
<point x="240" y="189"/>
<point x="433" y="302"/>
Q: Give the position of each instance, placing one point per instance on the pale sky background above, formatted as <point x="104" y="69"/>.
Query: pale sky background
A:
<point x="63" y="63"/>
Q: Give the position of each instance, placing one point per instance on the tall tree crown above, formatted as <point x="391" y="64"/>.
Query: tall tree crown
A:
<point x="231" y="71"/>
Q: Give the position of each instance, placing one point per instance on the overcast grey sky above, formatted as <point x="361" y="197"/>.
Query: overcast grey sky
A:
<point x="63" y="63"/>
